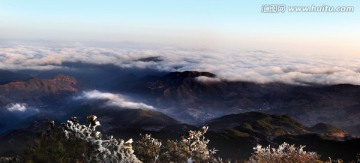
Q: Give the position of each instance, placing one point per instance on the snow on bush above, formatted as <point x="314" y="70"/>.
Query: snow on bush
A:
<point x="192" y="148"/>
<point x="285" y="153"/>
<point x="73" y="142"/>
<point x="148" y="148"/>
<point x="108" y="150"/>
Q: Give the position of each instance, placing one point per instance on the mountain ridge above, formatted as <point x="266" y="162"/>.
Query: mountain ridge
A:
<point x="197" y="101"/>
<point x="58" y="83"/>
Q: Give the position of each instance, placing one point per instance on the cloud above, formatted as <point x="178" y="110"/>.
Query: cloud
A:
<point x="205" y="79"/>
<point x="113" y="100"/>
<point x="21" y="108"/>
<point x="254" y="66"/>
<point x="17" y="107"/>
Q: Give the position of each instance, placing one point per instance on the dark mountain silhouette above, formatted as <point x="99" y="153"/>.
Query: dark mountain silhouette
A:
<point x="151" y="59"/>
<point x="15" y="141"/>
<point x="256" y="123"/>
<point x="328" y="129"/>
<point x="236" y="134"/>
<point x="183" y="96"/>
<point x="115" y="119"/>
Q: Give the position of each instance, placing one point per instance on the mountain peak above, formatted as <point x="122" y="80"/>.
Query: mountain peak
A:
<point x="61" y="77"/>
<point x="328" y="129"/>
<point x="189" y="74"/>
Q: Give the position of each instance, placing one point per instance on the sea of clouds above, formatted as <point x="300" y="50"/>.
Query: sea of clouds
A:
<point x="255" y="66"/>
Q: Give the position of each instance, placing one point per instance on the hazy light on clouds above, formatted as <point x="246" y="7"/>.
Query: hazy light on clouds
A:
<point x="21" y="107"/>
<point x="17" y="107"/>
<point x="205" y="79"/>
<point x="114" y="100"/>
<point x="256" y="66"/>
<point x="201" y="23"/>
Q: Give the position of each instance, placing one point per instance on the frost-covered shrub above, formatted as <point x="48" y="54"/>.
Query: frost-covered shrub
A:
<point x="73" y="142"/>
<point x="285" y="153"/>
<point x="53" y="146"/>
<point x="192" y="148"/>
<point x="148" y="148"/>
<point x="107" y="150"/>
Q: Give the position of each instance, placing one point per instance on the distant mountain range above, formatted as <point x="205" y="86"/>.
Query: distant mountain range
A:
<point x="182" y="95"/>
<point x="189" y="98"/>
<point x="240" y="114"/>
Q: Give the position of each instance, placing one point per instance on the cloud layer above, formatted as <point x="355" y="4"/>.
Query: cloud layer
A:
<point x="113" y="100"/>
<point x="256" y="66"/>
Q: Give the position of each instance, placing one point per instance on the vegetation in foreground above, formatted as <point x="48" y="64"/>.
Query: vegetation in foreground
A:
<point x="73" y="142"/>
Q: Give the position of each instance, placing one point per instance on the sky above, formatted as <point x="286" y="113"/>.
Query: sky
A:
<point x="220" y="24"/>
